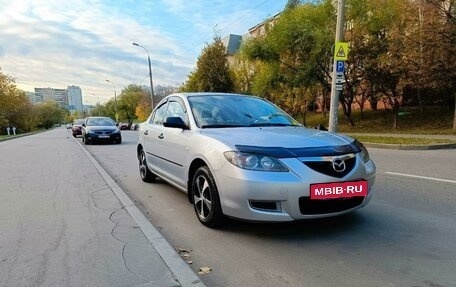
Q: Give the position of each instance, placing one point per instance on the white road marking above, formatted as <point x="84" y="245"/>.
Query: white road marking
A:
<point x="422" y="177"/>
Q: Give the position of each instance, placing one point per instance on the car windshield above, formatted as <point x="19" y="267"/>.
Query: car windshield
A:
<point x="100" y="122"/>
<point x="212" y="111"/>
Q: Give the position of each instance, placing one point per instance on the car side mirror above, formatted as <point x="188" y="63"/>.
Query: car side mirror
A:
<point x="83" y="125"/>
<point x="175" y="122"/>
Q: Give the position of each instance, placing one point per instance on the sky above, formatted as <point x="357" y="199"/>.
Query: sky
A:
<point x="59" y="43"/>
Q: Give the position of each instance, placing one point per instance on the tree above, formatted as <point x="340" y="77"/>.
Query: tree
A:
<point x="296" y="52"/>
<point x="212" y="73"/>
<point x="291" y="4"/>
<point x="99" y="110"/>
<point x="143" y="109"/>
<point x="377" y="62"/>
<point x="162" y="91"/>
<point x="444" y="67"/>
<point x="128" y="101"/>
<point x="13" y="103"/>
<point x="49" y="113"/>
<point x="244" y="71"/>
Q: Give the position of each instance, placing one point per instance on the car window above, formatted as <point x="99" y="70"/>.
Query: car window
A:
<point x="175" y="109"/>
<point x="100" y="122"/>
<point x="222" y="110"/>
<point x="159" y="114"/>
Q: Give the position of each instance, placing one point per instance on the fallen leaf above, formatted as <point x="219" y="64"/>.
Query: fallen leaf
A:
<point x="204" y="270"/>
<point x="182" y="250"/>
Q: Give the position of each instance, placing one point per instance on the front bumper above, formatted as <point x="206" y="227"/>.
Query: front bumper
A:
<point x="103" y="137"/>
<point x="285" y="196"/>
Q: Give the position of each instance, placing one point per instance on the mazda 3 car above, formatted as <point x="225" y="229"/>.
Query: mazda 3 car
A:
<point x="100" y="129"/>
<point x="243" y="157"/>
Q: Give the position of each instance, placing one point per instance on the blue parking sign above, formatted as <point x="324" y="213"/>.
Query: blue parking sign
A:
<point x="340" y="66"/>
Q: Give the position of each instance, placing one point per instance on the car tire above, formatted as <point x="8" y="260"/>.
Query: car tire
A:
<point x="85" y="140"/>
<point x="144" y="171"/>
<point x="206" y="200"/>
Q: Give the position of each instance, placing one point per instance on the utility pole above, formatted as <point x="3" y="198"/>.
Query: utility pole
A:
<point x="334" y="107"/>
<point x="150" y="76"/>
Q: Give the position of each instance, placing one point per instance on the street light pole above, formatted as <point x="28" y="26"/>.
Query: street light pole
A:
<point x="115" y="99"/>
<point x="150" y="76"/>
<point x="98" y="98"/>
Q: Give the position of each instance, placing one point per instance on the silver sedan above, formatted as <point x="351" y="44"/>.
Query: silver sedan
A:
<point x="243" y="157"/>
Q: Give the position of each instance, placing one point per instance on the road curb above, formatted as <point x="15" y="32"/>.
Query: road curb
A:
<point x="178" y="267"/>
<point x="410" y="147"/>
<point x="12" y="137"/>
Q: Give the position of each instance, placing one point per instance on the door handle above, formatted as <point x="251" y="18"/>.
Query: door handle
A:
<point x="161" y="136"/>
<point x="146" y="132"/>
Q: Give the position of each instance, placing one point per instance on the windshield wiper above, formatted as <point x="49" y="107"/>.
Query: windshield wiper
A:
<point x="221" y="126"/>
<point x="271" y="125"/>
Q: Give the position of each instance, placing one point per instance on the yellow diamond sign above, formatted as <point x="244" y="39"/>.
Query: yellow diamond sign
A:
<point x="341" y="51"/>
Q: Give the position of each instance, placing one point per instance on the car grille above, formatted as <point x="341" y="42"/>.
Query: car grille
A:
<point x="103" y="132"/>
<point x="326" y="167"/>
<point x="308" y="206"/>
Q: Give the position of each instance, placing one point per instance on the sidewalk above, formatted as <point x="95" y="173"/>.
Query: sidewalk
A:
<point x="65" y="222"/>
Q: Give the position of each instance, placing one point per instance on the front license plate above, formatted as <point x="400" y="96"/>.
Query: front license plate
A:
<point x="103" y="137"/>
<point x="338" y="189"/>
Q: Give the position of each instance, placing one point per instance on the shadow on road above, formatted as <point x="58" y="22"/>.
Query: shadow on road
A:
<point x="309" y="229"/>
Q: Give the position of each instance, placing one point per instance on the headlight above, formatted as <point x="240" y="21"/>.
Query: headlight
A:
<point x="254" y="161"/>
<point x="364" y="153"/>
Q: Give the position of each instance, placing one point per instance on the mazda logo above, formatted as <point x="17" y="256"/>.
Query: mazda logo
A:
<point x="338" y="165"/>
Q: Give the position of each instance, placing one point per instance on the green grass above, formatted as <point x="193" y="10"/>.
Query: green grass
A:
<point x="6" y="136"/>
<point x="435" y="120"/>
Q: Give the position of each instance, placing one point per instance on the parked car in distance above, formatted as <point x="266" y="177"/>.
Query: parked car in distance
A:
<point x="77" y="127"/>
<point x="123" y="126"/>
<point x="243" y="157"/>
<point x="100" y="129"/>
<point x="134" y="127"/>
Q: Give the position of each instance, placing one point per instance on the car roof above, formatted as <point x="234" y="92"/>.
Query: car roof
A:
<point x="99" y="118"/>
<point x="186" y="95"/>
<point x="207" y="94"/>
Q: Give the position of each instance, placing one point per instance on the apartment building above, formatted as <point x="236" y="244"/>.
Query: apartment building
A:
<point x="233" y="42"/>
<point x="75" y="99"/>
<point x="70" y="98"/>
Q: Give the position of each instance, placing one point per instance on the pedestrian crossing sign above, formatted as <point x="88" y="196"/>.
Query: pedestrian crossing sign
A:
<point x="341" y="51"/>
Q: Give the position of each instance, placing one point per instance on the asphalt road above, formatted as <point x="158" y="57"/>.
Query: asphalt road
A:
<point x="404" y="237"/>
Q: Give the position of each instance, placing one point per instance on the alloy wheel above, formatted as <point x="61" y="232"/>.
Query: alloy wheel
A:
<point x="202" y="197"/>
<point x="142" y="165"/>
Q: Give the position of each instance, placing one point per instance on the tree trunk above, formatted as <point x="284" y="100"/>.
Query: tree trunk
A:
<point x="454" y="117"/>
<point x="374" y="104"/>
<point x="395" y="110"/>
<point x="347" y="113"/>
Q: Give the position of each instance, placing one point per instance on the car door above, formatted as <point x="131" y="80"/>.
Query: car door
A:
<point x="172" y="144"/>
<point x="150" y="132"/>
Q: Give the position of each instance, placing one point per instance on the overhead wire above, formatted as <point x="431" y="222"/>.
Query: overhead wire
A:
<point x="232" y="22"/>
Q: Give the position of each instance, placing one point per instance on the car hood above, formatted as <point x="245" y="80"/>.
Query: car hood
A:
<point x="283" y="141"/>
